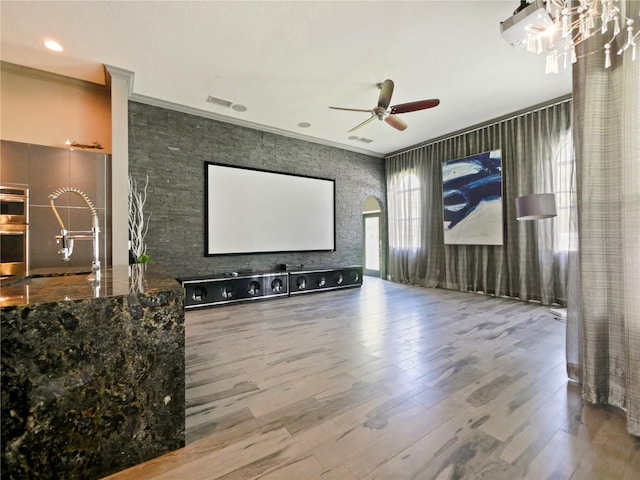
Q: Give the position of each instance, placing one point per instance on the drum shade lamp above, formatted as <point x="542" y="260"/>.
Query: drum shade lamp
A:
<point x="536" y="207"/>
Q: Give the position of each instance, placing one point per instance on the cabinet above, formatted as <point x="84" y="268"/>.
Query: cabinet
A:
<point x="221" y="290"/>
<point x="225" y="289"/>
<point x="14" y="163"/>
<point x="308" y="281"/>
<point x="45" y="169"/>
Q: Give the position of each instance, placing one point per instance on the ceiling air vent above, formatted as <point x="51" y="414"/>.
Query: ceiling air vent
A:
<point x="360" y="139"/>
<point x="219" y="101"/>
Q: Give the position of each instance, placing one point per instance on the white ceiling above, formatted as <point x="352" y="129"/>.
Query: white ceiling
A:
<point x="287" y="62"/>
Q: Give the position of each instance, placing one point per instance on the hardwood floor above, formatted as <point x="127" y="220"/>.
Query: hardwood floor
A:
<point x="387" y="382"/>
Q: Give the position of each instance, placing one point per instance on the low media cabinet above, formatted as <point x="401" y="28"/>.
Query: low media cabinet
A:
<point x="241" y="287"/>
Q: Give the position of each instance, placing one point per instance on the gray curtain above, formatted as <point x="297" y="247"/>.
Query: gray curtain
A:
<point x="603" y="325"/>
<point x="536" y="148"/>
<point x="415" y="249"/>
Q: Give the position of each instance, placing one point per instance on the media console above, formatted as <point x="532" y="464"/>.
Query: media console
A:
<point x="227" y="289"/>
<point x="306" y="281"/>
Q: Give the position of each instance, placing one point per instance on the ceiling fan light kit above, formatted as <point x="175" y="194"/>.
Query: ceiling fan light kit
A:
<point x="384" y="112"/>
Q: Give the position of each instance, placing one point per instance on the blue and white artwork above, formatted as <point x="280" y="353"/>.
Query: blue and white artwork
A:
<point x="472" y="199"/>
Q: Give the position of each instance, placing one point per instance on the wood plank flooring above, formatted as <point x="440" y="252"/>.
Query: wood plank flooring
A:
<point x="387" y="382"/>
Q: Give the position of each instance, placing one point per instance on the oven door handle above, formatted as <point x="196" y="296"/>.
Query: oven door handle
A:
<point x="12" y="232"/>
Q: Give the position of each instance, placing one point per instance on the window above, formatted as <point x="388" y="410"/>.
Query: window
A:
<point x="372" y="243"/>
<point x="564" y="186"/>
<point x="404" y="203"/>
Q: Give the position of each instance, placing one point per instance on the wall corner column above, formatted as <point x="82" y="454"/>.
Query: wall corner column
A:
<point x="121" y="85"/>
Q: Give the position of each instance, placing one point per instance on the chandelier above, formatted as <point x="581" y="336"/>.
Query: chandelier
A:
<point x="564" y="24"/>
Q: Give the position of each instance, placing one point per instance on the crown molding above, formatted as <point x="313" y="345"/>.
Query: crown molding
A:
<point x="155" y="102"/>
<point x="116" y="72"/>
<point x="509" y="116"/>
<point x="34" y="73"/>
<point x="129" y="76"/>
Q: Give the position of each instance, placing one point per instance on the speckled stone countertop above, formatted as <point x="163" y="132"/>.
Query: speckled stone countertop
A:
<point x="62" y="284"/>
<point x="92" y="374"/>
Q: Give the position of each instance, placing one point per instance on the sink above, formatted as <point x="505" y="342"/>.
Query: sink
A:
<point x="47" y="277"/>
<point x="50" y="287"/>
<point x="59" y="280"/>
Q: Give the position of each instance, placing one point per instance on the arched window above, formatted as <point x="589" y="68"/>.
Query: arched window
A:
<point x="405" y="211"/>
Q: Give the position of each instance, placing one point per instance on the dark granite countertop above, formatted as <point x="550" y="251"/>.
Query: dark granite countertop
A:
<point x="64" y="284"/>
<point x="92" y="373"/>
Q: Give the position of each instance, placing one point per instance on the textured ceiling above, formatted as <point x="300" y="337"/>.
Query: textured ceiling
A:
<point x="287" y="62"/>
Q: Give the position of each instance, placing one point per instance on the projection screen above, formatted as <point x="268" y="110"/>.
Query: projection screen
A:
<point x="257" y="211"/>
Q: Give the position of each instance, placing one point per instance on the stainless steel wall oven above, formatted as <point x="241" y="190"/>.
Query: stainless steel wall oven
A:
<point x="14" y="231"/>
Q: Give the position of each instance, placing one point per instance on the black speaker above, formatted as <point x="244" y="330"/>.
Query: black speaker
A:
<point x="207" y="292"/>
<point x="306" y="281"/>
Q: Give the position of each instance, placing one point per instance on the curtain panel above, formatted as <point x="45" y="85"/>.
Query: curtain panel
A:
<point x="537" y="157"/>
<point x="603" y="320"/>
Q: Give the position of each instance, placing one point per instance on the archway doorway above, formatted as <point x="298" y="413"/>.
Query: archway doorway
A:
<point x="371" y="229"/>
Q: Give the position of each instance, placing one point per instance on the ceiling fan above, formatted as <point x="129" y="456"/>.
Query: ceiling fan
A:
<point x="384" y="112"/>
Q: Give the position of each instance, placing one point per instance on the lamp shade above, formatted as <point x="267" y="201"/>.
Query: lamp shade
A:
<point x="536" y="206"/>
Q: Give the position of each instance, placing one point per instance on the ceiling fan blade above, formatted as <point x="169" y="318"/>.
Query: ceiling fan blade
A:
<point x="386" y="90"/>
<point x="396" y="122"/>
<point x="414" y="106"/>
<point x="351" y="109"/>
<point x="363" y="123"/>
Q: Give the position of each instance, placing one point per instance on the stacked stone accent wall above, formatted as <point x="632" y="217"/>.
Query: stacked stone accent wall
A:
<point x="172" y="148"/>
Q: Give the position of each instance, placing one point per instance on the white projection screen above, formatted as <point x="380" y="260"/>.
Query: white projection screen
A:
<point x="257" y="211"/>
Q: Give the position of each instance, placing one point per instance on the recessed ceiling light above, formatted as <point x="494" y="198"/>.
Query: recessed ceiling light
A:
<point x="353" y="137"/>
<point x="53" y="45"/>
<point x="304" y="124"/>
<point x="239" y="108"/>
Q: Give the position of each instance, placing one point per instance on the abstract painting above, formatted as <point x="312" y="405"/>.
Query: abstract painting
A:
<point x="472" y="199"/>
